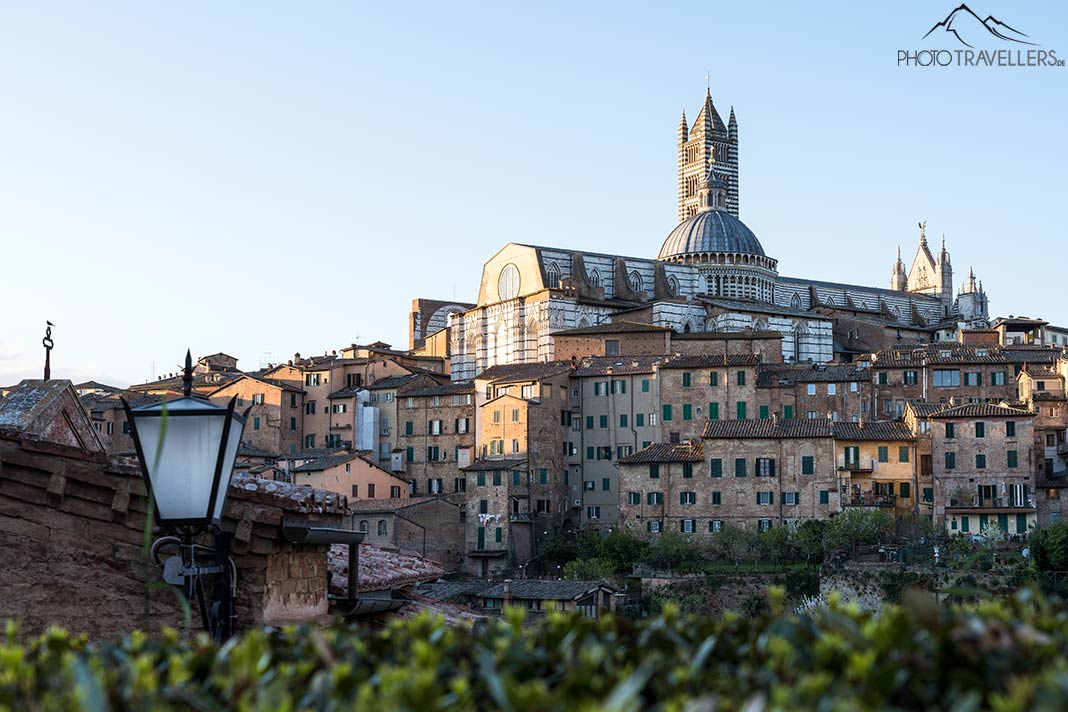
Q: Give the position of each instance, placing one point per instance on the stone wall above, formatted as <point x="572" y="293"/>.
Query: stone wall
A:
<point x="72" y="545"/>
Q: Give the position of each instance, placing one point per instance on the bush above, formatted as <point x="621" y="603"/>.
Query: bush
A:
<point x="1049" y="547"/>
<point x="802" y="584"/>
<point x="671" y="552"/>
<point x="589" y="569"/>
<point x="1007" y="654"/>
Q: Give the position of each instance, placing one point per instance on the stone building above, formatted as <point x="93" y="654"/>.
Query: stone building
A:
<point x="983" y="468"/>
<point x="877" y="465"/>
<point x="711" y="273"/>
<point x="352" y="474"/>
<point x="615" y="413"/>
<point x="275" y="421"/>
<point x="836" y="392"/>
<point x="666" y="487"/>
<point x="429" y="526"/>
<point x="436" y="431"/>
<point x="697" y="389"/>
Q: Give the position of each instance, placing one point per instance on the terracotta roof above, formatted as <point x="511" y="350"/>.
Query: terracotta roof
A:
<point x="788" y="375"/>
<point x="666" y="452"/>
<point x="298" y="498"/>
<point x="490" y="465"/>
<point x="347" y="392"/>
<point x="980" y="410"/>
<point x="95" y="385"/>
<point x="711" y="361"/>
<point x="448" y="590"/>
<point x="926" y="410"/>
<point x="539" y="589"/>
<point x="392" y="504"/>
<point x="616" y="365"/>
<point x="615" y="327"/>
<point x="380" y="568"/>
<point x="725" y="335"/>
<point x="1039" y="372"/>
<point x="880" y="430"/>
<point x="447" y="389"/>
<point x="524" y="371"/>
<point x="392" y="381"/>
<point x="28" y="399"/>
<point x="1032" y="354"/>
<point x="768" y="429"/>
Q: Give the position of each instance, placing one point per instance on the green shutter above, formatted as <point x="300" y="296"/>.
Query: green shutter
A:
<point x="965" y="524"/>
<point x="741" y="408"/>
<point x="686" y="379"/>
<point x="717" y="467"/>
<point x="713" y="411"/>
<point x="667" y="412"/>
<point x="797" y="498"/>
<point x="482" y="537"/>
<point x="825" y="496"/>
<point x="1021" y="523"/>
<point x="687" y="411"/>
<point x="645" y="385"/>
<point x="498" y="535"/>
<point x="808" y="465"/>
<point x="763" y="412"/>
<point x="739" y="467"/>
<point x="906" y="490"/>
<point x="741" y="378"/>
<point x="787" y="411"/>
<point x="713" y="378"/>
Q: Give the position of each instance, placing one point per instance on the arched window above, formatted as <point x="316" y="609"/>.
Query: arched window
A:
<point x="364" y="525"/>
<point x="636" y="281"/>
<point x="795" y="301"/>
<point x="760" y="325"/>
<point x="381" y="527"/>
<point x="552" y="276"/>
<point x="673" y="285"/>
<point x="583" y="323"/>
<point x="595" y="278"/>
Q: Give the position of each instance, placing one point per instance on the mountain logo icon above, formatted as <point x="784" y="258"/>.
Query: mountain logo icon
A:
<point x="969" y="29"/>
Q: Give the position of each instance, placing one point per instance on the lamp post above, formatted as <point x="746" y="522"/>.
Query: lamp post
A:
<point x="187" y="447"/>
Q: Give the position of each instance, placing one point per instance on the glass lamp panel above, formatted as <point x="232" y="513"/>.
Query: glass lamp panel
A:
<point x="183" y="471"/>
<point x="233" y="441"/>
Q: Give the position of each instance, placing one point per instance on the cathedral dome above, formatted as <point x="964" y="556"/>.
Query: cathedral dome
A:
<point x="707" y="232"/>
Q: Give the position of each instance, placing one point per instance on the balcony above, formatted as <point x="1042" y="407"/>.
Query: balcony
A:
<point x="977" y="502"/>
<point x="869" y="499"/>
<point x="868" y="467"/>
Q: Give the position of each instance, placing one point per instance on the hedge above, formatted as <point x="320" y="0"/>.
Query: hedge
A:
<point x="1007" y="654"/>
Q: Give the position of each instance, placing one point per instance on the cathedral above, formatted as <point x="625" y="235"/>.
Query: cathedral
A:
<point x="711" y="274"/>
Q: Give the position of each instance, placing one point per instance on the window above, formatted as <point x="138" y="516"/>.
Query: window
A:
<point x="911" y="378"/>
<point x="883" y="380"/>
<point x="1050" y="442"/>
<point x="381" y="527"/>
<point x="739" y="467"/>
<point x="1012" y="459"/>
<point x="903" y="453"/>
<point x="687" y="411"/>
<point x="603" y="421"/>
<point x="496" y="416"/>
<point x="515" y="415"/>
<point x="515" y="446"/>
<point x="980" y="430"/>
<point x="394" y="491"/>
<point x="543" y="476"/>
<point x="481" y="479"/>
<point x="309" y="408"/>
<point x="808" y="465"/>
<point x="904" y="490"/>
<point x="791" y="498"/>
<point x="686" y="379"/>
<point x="309" y="441"/>
<point x="498" y="534"/>
<point x="884" y="453"/>
<point x="611" y="347"/>
<point x="715" y="526"/>
<point x="257" y="399"/>
<point x="951" y="460"/>
<point x="787" y="411"/>
<point x="950" y="431"/>
<point x="622" y="420"/>
<point x="812" y="389"/>
<point x="652" y="420"/>
<point x="765" y="497"/>
<point x="763" y="412"/>
<point x="255" y="423"/>
<point x="606" y="484"/>
<point x="973" y="378"/>
<point x="715" y="467"/>
<point x="825" y="496"/>
<point x="687" y="498"/>
<point x="741" y="378"/>
<point x="713" y="411"/>
<point x="634" y="498"/>
<point x="713" y="378"/>
<point x="410" y="454"/>
<point x="639" y="420"/>
<point x="292" y="400"/>
<point x="497" y="478"/>
<point x="653" y="526"/>
<point x="740" y="408"/>
<point x="645" y="385"/>
<point x="687" y="526"/>
<point x="764" y="525"/>
<point x="764" y="467"/>
<point x="654" y="497"/>
<point x="667" y="412"/>
<point x="946" y="377"/>
<point x="832" y="389"/>
<point x="589" y="422"/>
<point x="126" y="426"/>
<point x="654" y="471"/>
<point x="593" y="512"/>
<point x="1040" y="385"/>
<point x="463" y="425"/>
<point x="459" y="484"/>
<point x="997" y="378"/>
<point x="432" y="453"/>
<point x="716" y="500"/>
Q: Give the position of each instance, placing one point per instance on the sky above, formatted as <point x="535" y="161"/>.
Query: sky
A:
<point x="270" y="178"/>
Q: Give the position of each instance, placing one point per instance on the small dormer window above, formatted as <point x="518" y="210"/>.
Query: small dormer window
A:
<point x="946" y="354"/>
<point x="980" y="352"/>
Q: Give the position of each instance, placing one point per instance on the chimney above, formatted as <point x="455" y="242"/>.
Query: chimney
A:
<point x="507" y="586"/>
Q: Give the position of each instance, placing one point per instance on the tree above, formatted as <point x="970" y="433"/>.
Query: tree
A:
<point x="622" y="548"/>
<point x="737" y="544"/>
<point x="589" y="569"/>
<point x="671" y="552"/>
<point x="774" y="544"/>
<point x="1049" y="547"/>
<point x="808" y="540"/>
<point x="858" y="526"/>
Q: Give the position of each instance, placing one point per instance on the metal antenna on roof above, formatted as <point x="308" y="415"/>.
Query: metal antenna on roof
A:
<point x="47" y="343"/>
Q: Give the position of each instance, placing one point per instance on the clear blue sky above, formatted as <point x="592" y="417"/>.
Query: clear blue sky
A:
<point x="276" y="177"/>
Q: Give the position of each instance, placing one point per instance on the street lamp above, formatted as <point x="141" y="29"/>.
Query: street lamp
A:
<point x="187" y="447"/>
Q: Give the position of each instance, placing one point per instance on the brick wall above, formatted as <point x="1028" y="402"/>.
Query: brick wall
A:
<point x="71" y="545"/>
